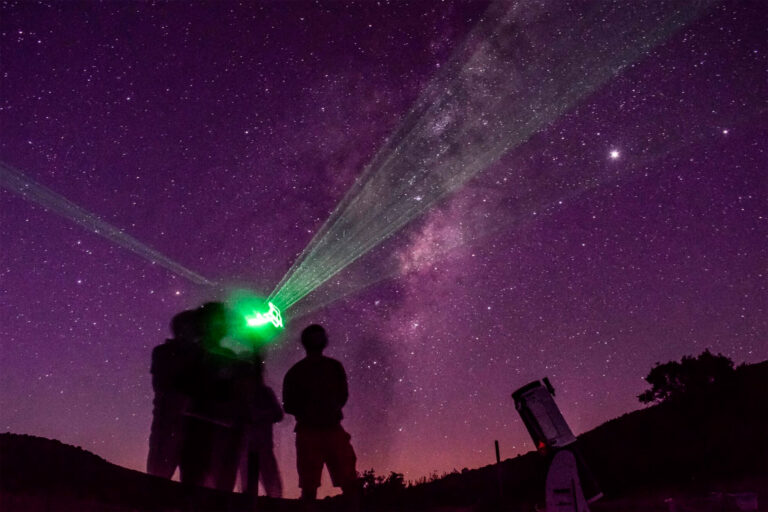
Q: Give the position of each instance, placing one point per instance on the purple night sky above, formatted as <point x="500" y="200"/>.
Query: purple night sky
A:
<point x="223" y="134"/>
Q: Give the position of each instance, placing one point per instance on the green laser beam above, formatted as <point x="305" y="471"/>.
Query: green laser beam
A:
<point x="547" y="192"/>
<point x="15" y="181"/>
<point x="521" y="68"/>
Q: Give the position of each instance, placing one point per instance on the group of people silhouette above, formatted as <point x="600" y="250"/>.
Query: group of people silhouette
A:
<point x="213" y="412"/>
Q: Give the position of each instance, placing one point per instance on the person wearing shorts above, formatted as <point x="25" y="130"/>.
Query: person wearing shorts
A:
<point x="314" y="391"/>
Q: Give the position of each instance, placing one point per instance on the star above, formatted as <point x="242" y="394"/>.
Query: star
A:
<point x="614" y="154"/>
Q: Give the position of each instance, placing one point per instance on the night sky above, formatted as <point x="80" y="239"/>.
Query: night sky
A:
<point x="224" y="134"/>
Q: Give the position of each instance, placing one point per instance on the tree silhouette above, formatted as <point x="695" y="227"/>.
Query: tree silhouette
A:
<point x="690" y="376"/>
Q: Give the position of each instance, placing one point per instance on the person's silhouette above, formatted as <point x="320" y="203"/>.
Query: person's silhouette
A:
<point x="259" y="462"/>
<point x="217" y="413"/>
<point x="172" y="364"/>
<point x="314" y="391"/>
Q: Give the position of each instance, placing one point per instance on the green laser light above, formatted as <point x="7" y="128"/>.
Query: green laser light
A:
<point x="258" y="319"/>
<point x="252" y="321"/>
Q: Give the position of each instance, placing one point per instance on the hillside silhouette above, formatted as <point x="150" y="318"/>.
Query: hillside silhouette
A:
<point x="705" y="442"/>
<point x="39" y="474"/>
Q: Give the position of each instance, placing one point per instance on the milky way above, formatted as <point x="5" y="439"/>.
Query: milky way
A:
<point x="520" y="68"/>
<point x="628" y="228"/>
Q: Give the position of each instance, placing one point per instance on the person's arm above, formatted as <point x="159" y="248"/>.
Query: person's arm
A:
<point x="289" y="393"/>
<point x="153" y="364"/>
<point x="343" y="387"/>
<point x="156" y="370"/>
<point x="277" y="411"/>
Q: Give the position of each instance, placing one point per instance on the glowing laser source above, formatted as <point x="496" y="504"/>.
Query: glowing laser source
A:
<point x="15" y="181"/>
<point x="523" y="66"/>
<point x="253" y="322"/>
<point x="257" y="319"/>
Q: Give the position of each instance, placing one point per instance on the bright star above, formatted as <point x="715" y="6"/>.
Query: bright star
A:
<point x="614" y="154"/>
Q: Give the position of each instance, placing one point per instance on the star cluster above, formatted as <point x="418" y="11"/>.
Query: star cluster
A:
<point x="224" y="134"/>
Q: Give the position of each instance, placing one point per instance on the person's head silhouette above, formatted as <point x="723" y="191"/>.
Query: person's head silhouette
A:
<point x="213" y="317"/>
<point x="185" y="326"/>
<point x="314" y="339"/>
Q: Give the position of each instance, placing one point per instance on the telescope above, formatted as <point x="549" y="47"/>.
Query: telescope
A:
<point x="570" y="485"/>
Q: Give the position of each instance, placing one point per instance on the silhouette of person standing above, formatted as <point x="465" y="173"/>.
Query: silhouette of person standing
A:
<point x="259" y="462"/>
<point x="314" y="391"/>
<point x="218" y="410"/>
<point x="171" y="382"/>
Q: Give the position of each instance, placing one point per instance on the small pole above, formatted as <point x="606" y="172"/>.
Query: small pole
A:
<point x="498" y="469"/>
